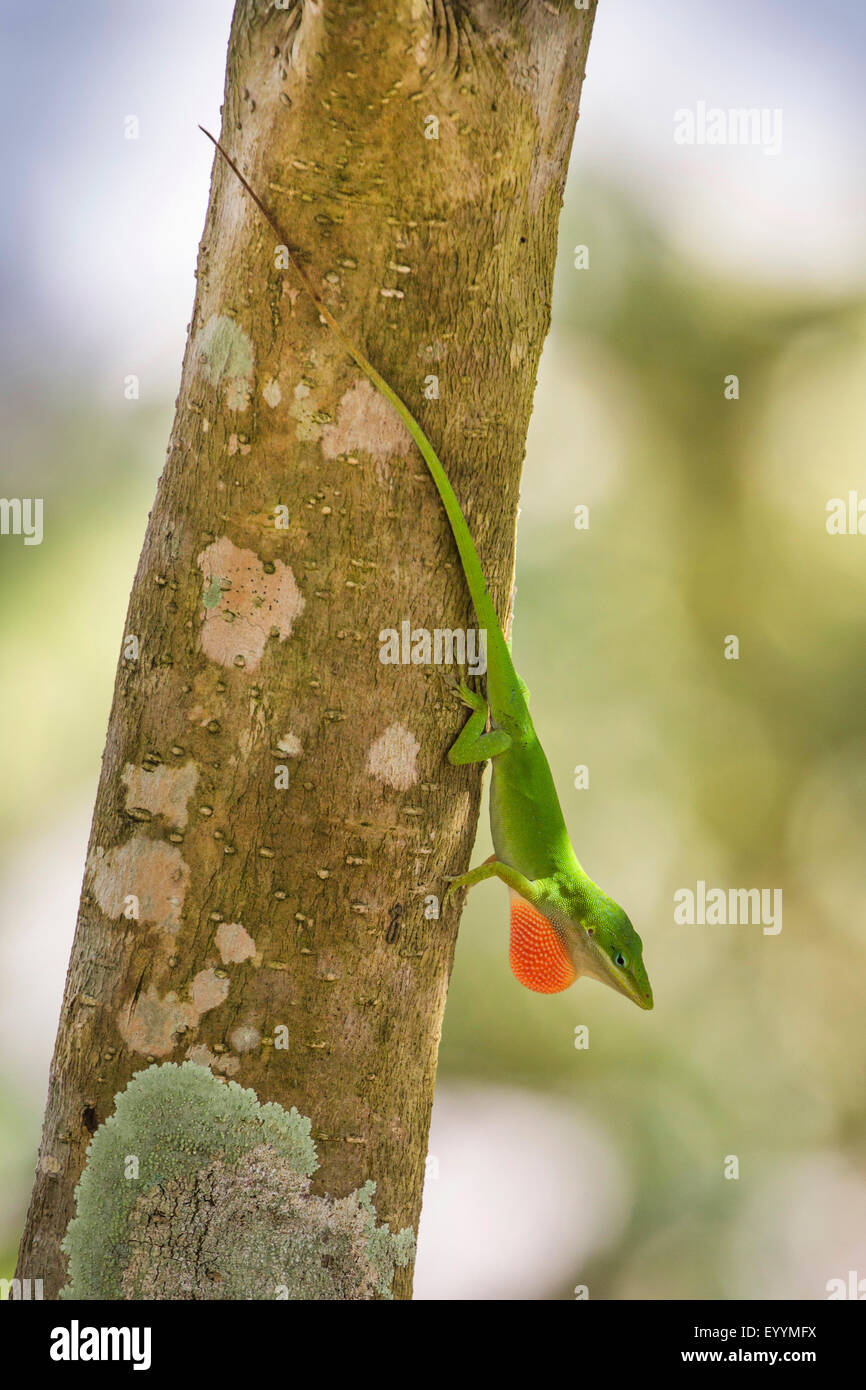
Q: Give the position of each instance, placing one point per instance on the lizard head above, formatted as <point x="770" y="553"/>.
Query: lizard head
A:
<point x="571" y="929"/>
<point x="620" y="952"/>
<point x="602" y="941"/>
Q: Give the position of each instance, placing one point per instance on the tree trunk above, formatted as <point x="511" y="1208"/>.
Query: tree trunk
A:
<point x="285" y="935"/>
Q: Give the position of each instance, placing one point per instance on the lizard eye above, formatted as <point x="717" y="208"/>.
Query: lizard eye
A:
<point x="619" y="958"/>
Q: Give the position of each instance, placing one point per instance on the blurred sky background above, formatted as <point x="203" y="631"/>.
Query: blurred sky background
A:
<point x="550" y="1167"/>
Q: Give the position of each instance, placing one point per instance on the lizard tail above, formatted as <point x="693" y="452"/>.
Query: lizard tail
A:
<point x="481" y="601"/>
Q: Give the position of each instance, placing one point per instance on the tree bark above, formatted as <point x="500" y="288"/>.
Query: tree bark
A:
<point x="223" y="914"/>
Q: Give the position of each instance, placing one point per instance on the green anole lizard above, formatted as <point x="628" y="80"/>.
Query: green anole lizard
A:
<point x="562" y="924"/>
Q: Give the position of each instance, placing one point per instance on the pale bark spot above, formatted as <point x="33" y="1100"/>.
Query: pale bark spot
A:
<point x="244" y="1038"/>
<point x="251" y="604"/>
<point x="164" y="791"/>
<point x="547" y="77"/>
<point x="257" y="728"/>
<point x="149" y="1024"/>
<point x="224" y="353"/>
<point x="437" y="351"/>
<point x="462" y="809"/>
<point x="151" y="871"/>
<point x="290" y="744"/>
<point x="234" y="943"/>
<point x="393" y="757"/>
<point x="208" y="990"/>
<point x="272" y="393"/>
<point x="330" y="965"/>
<point x="238" y="394"/>
<point x="199" y="715"/>
<point x="366" y="422"/>
<point x="307" y="428"/>
<point x="222" y="1062"/>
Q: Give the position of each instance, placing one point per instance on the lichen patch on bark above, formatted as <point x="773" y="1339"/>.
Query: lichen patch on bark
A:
<point x="225" y="354"/>
<point x="194" y="1190"/>
<point x="252" y="604"/>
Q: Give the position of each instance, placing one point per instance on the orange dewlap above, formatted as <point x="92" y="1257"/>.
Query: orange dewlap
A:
<point x="537" y="952"/>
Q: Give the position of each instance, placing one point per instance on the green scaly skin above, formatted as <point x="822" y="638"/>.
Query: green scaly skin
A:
<point x="534" y="856"/>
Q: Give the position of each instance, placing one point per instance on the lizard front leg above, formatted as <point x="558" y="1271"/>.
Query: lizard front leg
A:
<point x="472" y="744"/>
<point x="494" y="868"/>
